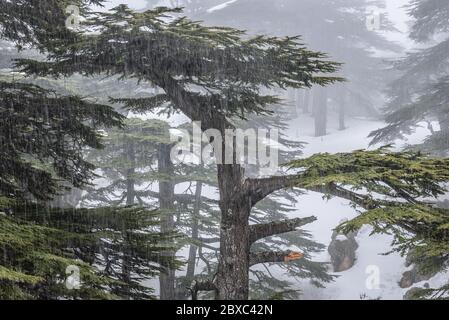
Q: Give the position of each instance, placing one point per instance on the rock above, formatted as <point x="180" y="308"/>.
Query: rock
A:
<point x="342" y="250"/>
<point x="416" y="274"/>
<point x="411" y="277"/>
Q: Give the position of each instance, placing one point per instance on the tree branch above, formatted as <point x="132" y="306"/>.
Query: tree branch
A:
<point x="183" y="198"/>
<point x="260" y="231"/>
<point x="259" y="189"/>
<point x="274" y="256"/>
<point x="208" y="240"/>
<point x="198" y="286"/>
<point x="192" y="104"/>
<point x="334" y="190"/>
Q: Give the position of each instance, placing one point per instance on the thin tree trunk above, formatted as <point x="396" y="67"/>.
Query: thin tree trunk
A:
<point x="320" y="111"/>
<point x="130" y="184"/>
<point x="306" y="104"/>
<point x="195" y="233"/>
<point x="130" y="179"/>
<point x="130" y="195"/>
<point x="299" y="102"/>
<point x="166" y="204"/>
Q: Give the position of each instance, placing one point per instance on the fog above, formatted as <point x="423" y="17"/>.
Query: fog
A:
<point x="382" y="91"/>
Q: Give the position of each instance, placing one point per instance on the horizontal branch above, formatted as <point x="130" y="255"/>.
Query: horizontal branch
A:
<point x="260" y="231"/>
<point x="274" y="256"/>
<point x="183" y="198"/>
<point x="334" y="190"/>
<point x="209" y="240"/>
<point x="259" y="189"/>
<point x="198" y="286"/>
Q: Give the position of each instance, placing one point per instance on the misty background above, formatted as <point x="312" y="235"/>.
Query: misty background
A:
<point x="369" y="38"/>
<point x="368" y="57"/>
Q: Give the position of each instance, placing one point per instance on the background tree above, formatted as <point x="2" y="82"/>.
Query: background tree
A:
<point x="418" y="97"/>
<point x="337" y="27"/>
<point x="44" y="133"/>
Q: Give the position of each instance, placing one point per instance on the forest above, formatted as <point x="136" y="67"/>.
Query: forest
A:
<point x="224" y="150"/>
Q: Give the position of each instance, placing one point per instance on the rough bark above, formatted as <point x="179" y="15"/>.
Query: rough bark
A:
<point x="233" y="266"/>
<point x="166" y="203"/>
<point x="259" y="189"/>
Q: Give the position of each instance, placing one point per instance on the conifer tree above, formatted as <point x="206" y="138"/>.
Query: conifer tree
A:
<point x="338" y="28"/>
<point x="181" y="56"/>
<point x="44" y="131"/>
<point x="420" y="94"/>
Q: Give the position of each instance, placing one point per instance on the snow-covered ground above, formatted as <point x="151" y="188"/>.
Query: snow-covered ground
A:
<point x="371" y="264"/>
<point x="356" y="282"/>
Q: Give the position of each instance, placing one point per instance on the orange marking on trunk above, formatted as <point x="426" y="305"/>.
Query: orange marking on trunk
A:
<point x="293" y="256"/>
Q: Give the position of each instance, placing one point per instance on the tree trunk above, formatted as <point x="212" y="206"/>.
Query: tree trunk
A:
<point x="130" y="180"/>
<point x="195" y="233"/>
<point x="166" y="203"/>
<point x="130" y="195"/>
<point x="299" y="102"/>
<point x="306" y="103"/>
<point x="232" y="280"/>
<point x="444" y="128"/>
<point x="320" y="111"/>
<point x="130" y="191"/>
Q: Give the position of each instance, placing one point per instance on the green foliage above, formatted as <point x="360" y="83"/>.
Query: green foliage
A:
<point x="405" y="175"/>
<point x="342" y="34"/>
<point x="41" y="24"/>
<point x="397" y="189"/>
<point x="420" y="93"/>
<point x="116" y="249"/>
<point x="34" y="262"/>
<point x="42" y="137"/>
<point x="228" y="66"/>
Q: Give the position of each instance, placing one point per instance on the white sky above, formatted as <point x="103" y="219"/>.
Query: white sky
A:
<point x="395" y="9"/>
